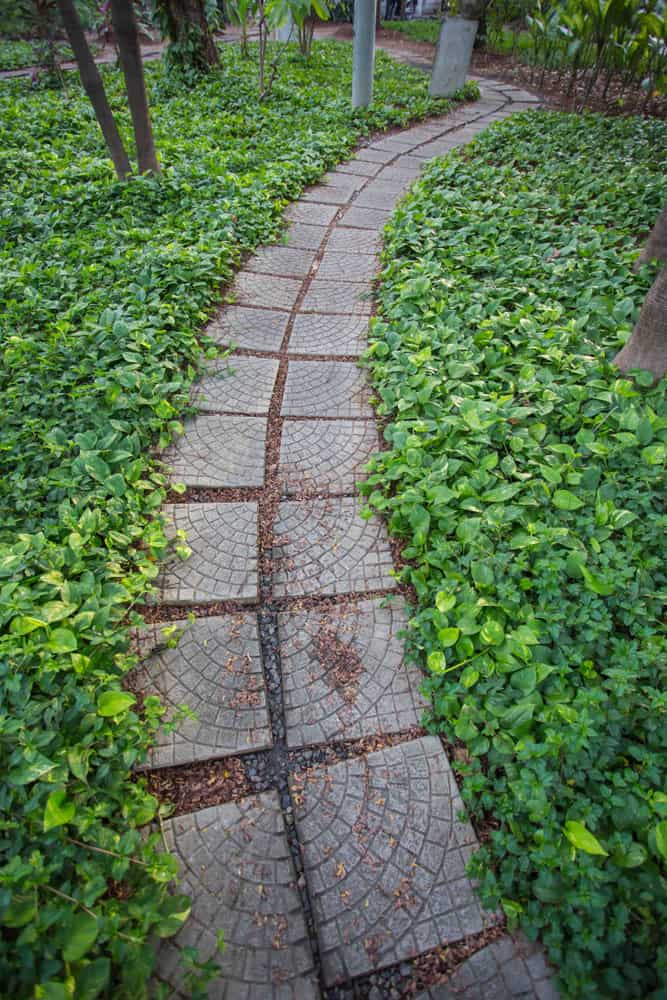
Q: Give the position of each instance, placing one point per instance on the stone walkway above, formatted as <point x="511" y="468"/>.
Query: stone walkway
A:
<point x="349" y="862"/>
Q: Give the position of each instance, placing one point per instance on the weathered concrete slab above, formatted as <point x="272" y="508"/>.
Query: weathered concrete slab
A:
<point x="314" y="333"/>
<point x="385" y="857"/>
<point x="362" y="168"/>
<point x="347" y="267"/>
<point x="381" y="194"/>
<point x="374" y="155"/>
<point x="350" y="298"/>
<point x="452" y="56"/>
<point x="265" y="290"/>
<point x="252" y="329"/>
<point x="326" y="389"/>
<point x="344" y="674"/>
<point x="342" y="179"/>
<point x="223" y="561"/>
<point x="326" y="547"/>
<point x="216" y="670"/>
<point x="307" y="237"/>
<point x="219" y="451"/>
<point x="236" y="866"/>
<point x="365" y="218"/>
<point x="325" y="456"/>
<point x="237" y="385"/>
<point x="311" y="214"/>
<point x="288" y="262"/>
<point x="505" y="970"/>
<point x="330" y="194"/>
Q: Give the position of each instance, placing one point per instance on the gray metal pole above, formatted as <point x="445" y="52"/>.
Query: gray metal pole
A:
<point x="364" y="53"/>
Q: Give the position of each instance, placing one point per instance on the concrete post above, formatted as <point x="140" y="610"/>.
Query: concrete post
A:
<point x="452" y="56"/>
<point x="364" y="53"/>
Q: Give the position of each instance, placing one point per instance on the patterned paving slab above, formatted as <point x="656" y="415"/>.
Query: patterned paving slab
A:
<point x="362" y="168"/>
<point x="373" y="155"/>
<point x="253" y="329"/>
<point x="385" y="857"/>
<point x="346" y="297"/>
<point x="394" y="144"/>
<point x="325" y="456"/>
<point x="311" y="214"/>
<point x="307" y="237"/>
<point x="329" y="194"/>
<point x="402" y="175"/>
<point x="240" y="385"/>
<point x="341" y="179"/>
<point x="287" y="261"/>
<point x="266" y="290"/>
<point x="381" y="194"/>
<point x="314" y="333"/>
<point x="219" y="451"/>
<point x="365" y="218"/>
<point x="326" y="547"/>
<point x="236" y="866"/>
<point x="326" y="389"/>
<point x="347" y="267"/>
<point x="223" y="561"/>
<point x="354" y="241"/>
<point x="504" y="970"/>
<point x="344" y="676"/>
<point x="216" y="670"/>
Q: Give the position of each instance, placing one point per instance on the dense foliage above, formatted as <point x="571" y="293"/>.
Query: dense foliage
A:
<point x="104" y="287"/>
<point x="527" y="480"/>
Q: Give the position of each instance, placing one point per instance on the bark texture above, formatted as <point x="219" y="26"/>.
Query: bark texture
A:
<point x="655" y="247"/>
<point x="181" y="17"/>
<point x="127" y="36"/>
<point x="92" y="84"/>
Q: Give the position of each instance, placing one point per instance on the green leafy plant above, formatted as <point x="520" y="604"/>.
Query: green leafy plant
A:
<point x="526" y="479"/>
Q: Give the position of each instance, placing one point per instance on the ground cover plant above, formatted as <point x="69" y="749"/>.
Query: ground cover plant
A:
<point x="426" y="30"/>
<point x="526" y="478"/>
<point x="104" y="288"/>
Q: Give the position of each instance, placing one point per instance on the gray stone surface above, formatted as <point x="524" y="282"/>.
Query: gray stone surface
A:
<point x="219" y="451"/>
<point x="236" y="866"/>
<point x="216" y="670"/>
<point x="330" y="194"/>
<point x="394" y="144"/>
<point x="314" y="333"/>
<point x="311" y="214"/>
<point x="346" y="297"/>
<point x="237" y="385"/>
<point x="505" y="970"/>
<point x="354" y="241"/>
<point x="252" y="329"/>
<point x="372" y="155"/>
<point x="361" y="168"/>
<point x="404" y="175"/>
<point x="341" y="179"/>
<point x="381" y="194"/>
<point x="281" y="260"/>
<point x="411" y="162"/>
<point x="452" y="55"/>
<point x="347" y="266"/>
<point x="365" y="218"/>
<point x="223" y="561"/>
<point x="307" y="237"/>
<point x="326" y="389"/>
<point x="325" y="456"/>
<point x="385" y="857"/>
<point x="344" y="675"/>
<point x="326" y="547"/>
<point x="265" y="290"/>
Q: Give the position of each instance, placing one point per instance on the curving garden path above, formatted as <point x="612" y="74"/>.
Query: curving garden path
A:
<point x="343" y="874"/>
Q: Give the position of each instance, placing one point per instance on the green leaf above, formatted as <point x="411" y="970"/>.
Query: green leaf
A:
<point x="175" y="911"/>
<point x="444" y="602"/>
<point x="596" y="583"/>
<point x="492" y="633"/>
<point x="81" y="935"/>
<point x="661" y="838"/>
<point x="62" y="640"/>
<point x="581" y="838"/>
<point x="448" y="636"/>
<point x="92" y="978"/>
<point x="566" y="500"/>
<point x="482" y="574"/>
<point x="436" y="662"/>
<point x="112" y="703"/>
<point x="58" y="810"/>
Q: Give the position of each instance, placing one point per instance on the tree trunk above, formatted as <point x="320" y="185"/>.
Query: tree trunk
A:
<point x="183" y="15"/>
<point x="125" y="27"/>
<point x="378" y="15"/>
<point x="92" y="84"/>
<point x="647" y="347"/>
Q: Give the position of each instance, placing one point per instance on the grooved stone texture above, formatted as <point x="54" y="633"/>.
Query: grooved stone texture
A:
<point x="223" y="561"/>
<point x="240" y="385"/>
<point x="343" y="673"/>
<point x="504" y="970"/>
<point x="266" y="290"/>
<point x="216" y="670"/>
<point x="311" y="214"/>
<point x="325" y="456"/>
<point x="347" y="297"/>
<point x="252" y="329"/>
<point x="337" y="335"/>
<point x="219" y="451"/>
<point x="282" y="260"/>
<point x="326" y="389"/>
<point x="306" y="237"/>
<point x="236" y="866"/>
<point x="365" y="218"/>
<point x="325" y="547"/>
<point x="347" y="267"/>
<point x="385" y="857"/>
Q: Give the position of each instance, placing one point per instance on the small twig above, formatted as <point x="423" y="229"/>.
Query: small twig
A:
<point x="102" y="850"/>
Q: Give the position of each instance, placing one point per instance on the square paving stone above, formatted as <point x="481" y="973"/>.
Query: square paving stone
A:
<point x="236" y="866"/>
<point x="219" y="451"/>
<point x="288" y="262"/>
<point x="304" y="236"/>
<point x="326" y="547"/>
<point x="347" y="267"/>
<point x="365" y="218"/>
<point x="342" y="179"/>
<point x="222" y="565"/>
<point x="216" y="670"/>
<point x="360" y="168"/>
<point x="311" y="214"/>
<point x="394" y="144"/>
<point x="315" y="333"/>
<point x="252" y="329"/>
<point x="385" y="857"/>
<point x="344" y="674"/>
<point x="347" y="297"/>
<point x="507" y="969"/>
<point x="325" y="456"/>
<point x="354" y="241"/>
<point x="326" y="389"/>
<point x="329" y="194"/>
<point x="373" y="155"/>
<point x="381" y="194"/>
<point x="266" y="290"/>
<point x="238" y="385"/>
